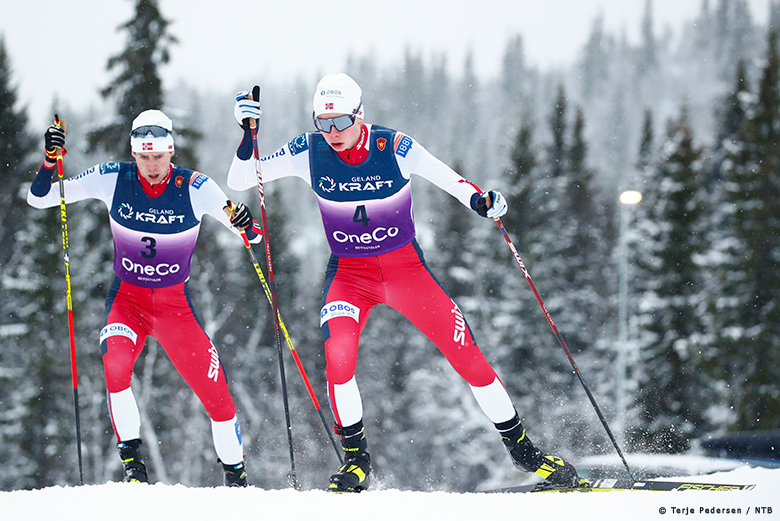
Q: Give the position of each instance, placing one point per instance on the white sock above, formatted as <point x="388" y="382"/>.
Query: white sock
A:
<point x="227" y="441"/>
<point x="346" y="398"/>
<point x="494" y="401"/>
<point x="124" y="414"/>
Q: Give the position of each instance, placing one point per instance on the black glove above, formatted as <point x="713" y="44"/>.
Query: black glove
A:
<point x="54" y="139"/>
<point x="241" y="216"/>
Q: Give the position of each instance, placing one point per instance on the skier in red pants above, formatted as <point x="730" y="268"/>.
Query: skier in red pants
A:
<point x="360" y="174"/>
<point x="155" y="209"/>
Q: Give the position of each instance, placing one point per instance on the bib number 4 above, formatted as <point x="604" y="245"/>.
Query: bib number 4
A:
<point x="360" y="215"/>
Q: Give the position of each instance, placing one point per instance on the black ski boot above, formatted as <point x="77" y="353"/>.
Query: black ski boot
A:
<point x="134" y="468"/>
<point x="353" y="476"/>
<point x="235" y="475"/>
<point x="529" y="458"/>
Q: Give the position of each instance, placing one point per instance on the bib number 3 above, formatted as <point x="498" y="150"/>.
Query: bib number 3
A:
<point x="151" y="243"/>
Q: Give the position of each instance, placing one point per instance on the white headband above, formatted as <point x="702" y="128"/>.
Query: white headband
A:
<point x="149" y="142"/>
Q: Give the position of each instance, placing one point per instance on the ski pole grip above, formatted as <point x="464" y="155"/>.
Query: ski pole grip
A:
<point x="255" y="96"/>
<point x="230" y="212"/>
<point x="60" y="123"/>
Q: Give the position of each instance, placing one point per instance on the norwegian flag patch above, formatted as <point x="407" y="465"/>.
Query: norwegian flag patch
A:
<point x="329" y="106"/>
<point x="147" y="146"/>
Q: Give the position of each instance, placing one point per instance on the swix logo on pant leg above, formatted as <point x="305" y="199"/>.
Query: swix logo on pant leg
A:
<point x="459" y="334"/>
<point x="117" y="329"/>
<point x="214" y="365"/>
<point x="339" y="308"/>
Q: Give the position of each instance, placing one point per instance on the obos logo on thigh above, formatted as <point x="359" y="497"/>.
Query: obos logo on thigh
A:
<point x="117" y="329"/>
<point x="339" y="308"/>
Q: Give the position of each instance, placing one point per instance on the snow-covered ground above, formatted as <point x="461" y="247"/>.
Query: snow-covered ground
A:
<point x="119" y="502"/>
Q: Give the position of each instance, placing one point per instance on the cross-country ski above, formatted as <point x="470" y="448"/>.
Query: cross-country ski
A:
<point x="603" y="485"/>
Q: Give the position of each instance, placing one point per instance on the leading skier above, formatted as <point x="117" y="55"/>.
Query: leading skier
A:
<point x="360" y="174"/>
<point x="155" y="210"/>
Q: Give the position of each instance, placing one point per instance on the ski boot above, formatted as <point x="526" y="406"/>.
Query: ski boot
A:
<point x="235" y="475"/>
<point x="526" y="456"/>
<point x="353" y="476"/>
<point x="133" y="465"/>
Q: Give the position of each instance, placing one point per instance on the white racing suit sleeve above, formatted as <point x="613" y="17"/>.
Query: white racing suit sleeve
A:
<point x="89" y="184"/>
<point x="421" y="162"/>
<point x="282" y="163"/>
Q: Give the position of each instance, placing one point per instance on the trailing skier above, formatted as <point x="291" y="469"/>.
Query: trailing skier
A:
<point x="155" y="210"/>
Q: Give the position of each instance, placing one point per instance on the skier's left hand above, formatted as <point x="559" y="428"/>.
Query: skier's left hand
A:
<point x="489" y="204"/>
<point x="240" y="216"/>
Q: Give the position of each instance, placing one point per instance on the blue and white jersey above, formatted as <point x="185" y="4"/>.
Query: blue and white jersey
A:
<point x="154" y="237"/>
<point x="366" y="208"/>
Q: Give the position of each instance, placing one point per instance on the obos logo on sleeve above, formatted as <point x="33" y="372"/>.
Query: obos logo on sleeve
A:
<point x="117" y="329"/>
<point x="339" y="308"/>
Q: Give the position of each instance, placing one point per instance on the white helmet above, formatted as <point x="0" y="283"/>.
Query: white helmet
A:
<point x="340" y="94"/>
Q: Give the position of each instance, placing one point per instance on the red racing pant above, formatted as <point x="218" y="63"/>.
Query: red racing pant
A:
<point x="133" y="313"/>
<point x="400" y="279"/>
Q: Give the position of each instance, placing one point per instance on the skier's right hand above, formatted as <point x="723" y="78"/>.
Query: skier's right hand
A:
<point x="246" y="109"/>
<point x="239" y="215"/>
<point x="54" y="138"/>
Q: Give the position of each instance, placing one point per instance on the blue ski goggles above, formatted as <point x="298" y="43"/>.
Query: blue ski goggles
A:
<point x="145" y="130"/>
<point x="341" y="123"/>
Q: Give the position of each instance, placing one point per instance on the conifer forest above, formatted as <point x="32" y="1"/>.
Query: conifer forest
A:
<point x="670" y="307"/>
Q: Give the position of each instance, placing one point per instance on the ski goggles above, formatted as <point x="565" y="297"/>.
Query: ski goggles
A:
<point x="341" y="123"/>
<point x="145" y="130"/>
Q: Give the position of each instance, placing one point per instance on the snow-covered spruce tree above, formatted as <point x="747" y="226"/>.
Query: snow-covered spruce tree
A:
<point x="17" y="147"/>
<point x="749" y="312"/>
<point x="34" y="395"/>
<point x="724" y="254"/>
<point x="137" y="85"/>
<point x="556" y="229"/>
<point x="453" y="257"/>
<point x="517" y="312"/>
<point x="647" y="55"/>
<point x="38" y="417"/>
<point x="673" y="392"/>
<point x="464" y="149"/>
<point x="593" y="67"/>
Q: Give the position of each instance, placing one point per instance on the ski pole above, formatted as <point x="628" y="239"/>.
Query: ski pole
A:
<point x="272" y="286"/>
<point x="561" y="341"/>
<point x="268" y="296"/>
<point x="64" y="217"/>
